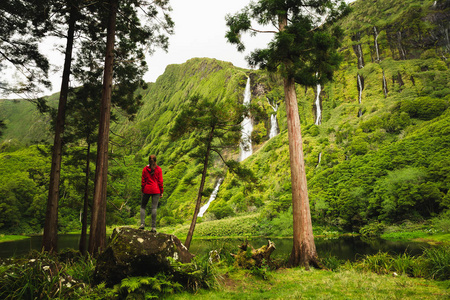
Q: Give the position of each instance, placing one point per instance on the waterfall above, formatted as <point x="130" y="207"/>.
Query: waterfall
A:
<point x="385" y="90"/>
<point x="375" y="33"/>
<point x="247" y="127"/>
<point x="319" y="160"/>
<point x="318" y="110"/>
<point x="273" y="121"/>
<point x="447" y="41"/>
<point x="360" y="88"/>
<point x="400" y="47"/>
<point x="211" y="199"/>
<point x="360" y="56"/>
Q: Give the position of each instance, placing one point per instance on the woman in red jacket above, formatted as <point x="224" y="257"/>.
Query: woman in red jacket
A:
<point x="151" y="185"/>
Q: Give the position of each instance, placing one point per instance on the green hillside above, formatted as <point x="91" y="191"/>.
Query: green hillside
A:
<point x="381" y="152"/>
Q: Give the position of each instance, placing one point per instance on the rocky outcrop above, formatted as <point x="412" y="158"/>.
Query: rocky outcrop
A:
<point x="133" y="252"/>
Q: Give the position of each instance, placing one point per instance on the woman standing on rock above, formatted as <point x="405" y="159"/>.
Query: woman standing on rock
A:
<point x="151" y="186"/>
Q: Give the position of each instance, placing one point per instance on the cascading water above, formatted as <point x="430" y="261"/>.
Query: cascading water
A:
<point x="319" y="159"/>
<point x="211" y="199"/>
<point x="375" y="34"/>
<point x="360" y="88"/>
<point x="360" y="56"/>
<point x="385" y="90"/>
<point x="273" y="121"/>
<point x="247" y="127"/>
<point x="318" y="109"/>
<point x="401" y="51"/>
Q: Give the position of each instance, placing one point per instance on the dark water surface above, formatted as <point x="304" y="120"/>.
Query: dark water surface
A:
<point x="345" y="247"/>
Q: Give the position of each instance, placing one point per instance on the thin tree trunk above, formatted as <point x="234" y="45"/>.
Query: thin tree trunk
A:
<point x="50" y="237"/>
<point x="200" y="191"/>
<point x="83" y="237"/>
<point x="304" y="249"/>
<point x="97" y="237"/>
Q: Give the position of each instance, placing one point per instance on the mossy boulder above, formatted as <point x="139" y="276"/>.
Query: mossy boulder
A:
<point x="132" y="252"/>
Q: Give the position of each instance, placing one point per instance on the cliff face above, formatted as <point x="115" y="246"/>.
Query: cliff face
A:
<point x="376" y="139"/>
<point x="382" y="126"/>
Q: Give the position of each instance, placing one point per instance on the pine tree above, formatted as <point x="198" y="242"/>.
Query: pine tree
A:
<point x="303" y="51"/>
<point x="23" y="24"/>
<point x="215" y="125"/>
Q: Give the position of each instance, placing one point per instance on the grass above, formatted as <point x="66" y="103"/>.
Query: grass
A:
<point x="318" y="284"/>
<point x="9" y="238"/>
<point x="377" y="276"/>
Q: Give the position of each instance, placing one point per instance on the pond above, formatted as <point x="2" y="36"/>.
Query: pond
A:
<point x="344" y="247"/>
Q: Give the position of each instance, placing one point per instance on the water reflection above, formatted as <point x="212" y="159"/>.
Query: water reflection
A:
<point x="345" y="248"/>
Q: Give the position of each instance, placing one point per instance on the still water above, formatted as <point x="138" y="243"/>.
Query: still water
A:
<point x="345" y="248"/>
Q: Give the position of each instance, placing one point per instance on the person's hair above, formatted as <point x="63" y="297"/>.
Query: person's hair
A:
<point x="152" y="163"/>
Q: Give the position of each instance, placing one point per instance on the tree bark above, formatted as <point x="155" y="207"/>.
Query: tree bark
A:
<point x="304" y="249"/>
<point x="50" y="237"/>
<point x="97" y="237"/>
<point x="83" y="237"/>
<point x="200" y="191"/>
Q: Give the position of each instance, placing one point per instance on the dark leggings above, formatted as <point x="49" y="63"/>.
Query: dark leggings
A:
<point x="144" y="201"/>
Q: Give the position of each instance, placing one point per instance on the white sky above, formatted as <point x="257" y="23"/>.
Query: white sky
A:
<point x="199" y="32"/>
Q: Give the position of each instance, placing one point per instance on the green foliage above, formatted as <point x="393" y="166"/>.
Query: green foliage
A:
<point x="372" y="229"/>
<point x="433" y="263"/>
<point x="389" y="165"/>
<point x="331" y="262"/>
<point x="146" y="287"/>
<point x="232" y="227"/>
<point x="424" y="108"/>
<point x="438" y="262"/>
<point x="221" y="209"/>
<point x="44" y="276"/>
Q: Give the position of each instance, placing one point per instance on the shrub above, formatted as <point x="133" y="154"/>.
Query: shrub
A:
<point x="372" y="229"/>
<point x="438" y="262"/>
<point x="424" y="108"/>
<point x="221" y="209"/>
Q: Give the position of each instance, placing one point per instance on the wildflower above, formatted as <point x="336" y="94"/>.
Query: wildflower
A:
<point x="69" y="285"/>
<point x="32" y="260"/>
<point x="45" y="268"/>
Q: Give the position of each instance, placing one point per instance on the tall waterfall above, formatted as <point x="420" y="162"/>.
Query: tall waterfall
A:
<point x="360" y="56"/>
<point x="401" y="51"/>
<point x="319" y="159"/>
<point x="247" y="127"/>
<point x="375" y="33"/>
<point x="318" y="109"/>
<point x="273" y="121"/>
<point x="385" y="90"/>
<point x="360" y="88"/>
<point x="211" y="199"/>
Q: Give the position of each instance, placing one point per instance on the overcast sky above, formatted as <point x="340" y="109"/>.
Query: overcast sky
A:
<point x="199" y="32"/>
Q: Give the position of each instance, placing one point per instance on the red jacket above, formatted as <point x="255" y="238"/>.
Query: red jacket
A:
<point x="152" y="184"/>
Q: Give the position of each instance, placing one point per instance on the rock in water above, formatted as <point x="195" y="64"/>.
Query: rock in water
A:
<point x="132" y="252"/>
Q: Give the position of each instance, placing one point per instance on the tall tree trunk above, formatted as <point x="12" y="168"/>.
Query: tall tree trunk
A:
<point x="83" y="237"/>
<point x="97" y="237"/>
<point x="50" y="237"/>
<point x="304" y="249"/>
<point x="187" y="243"/>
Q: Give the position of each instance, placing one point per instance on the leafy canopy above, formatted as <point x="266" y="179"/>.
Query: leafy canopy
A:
<point x="305" y="42"/>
